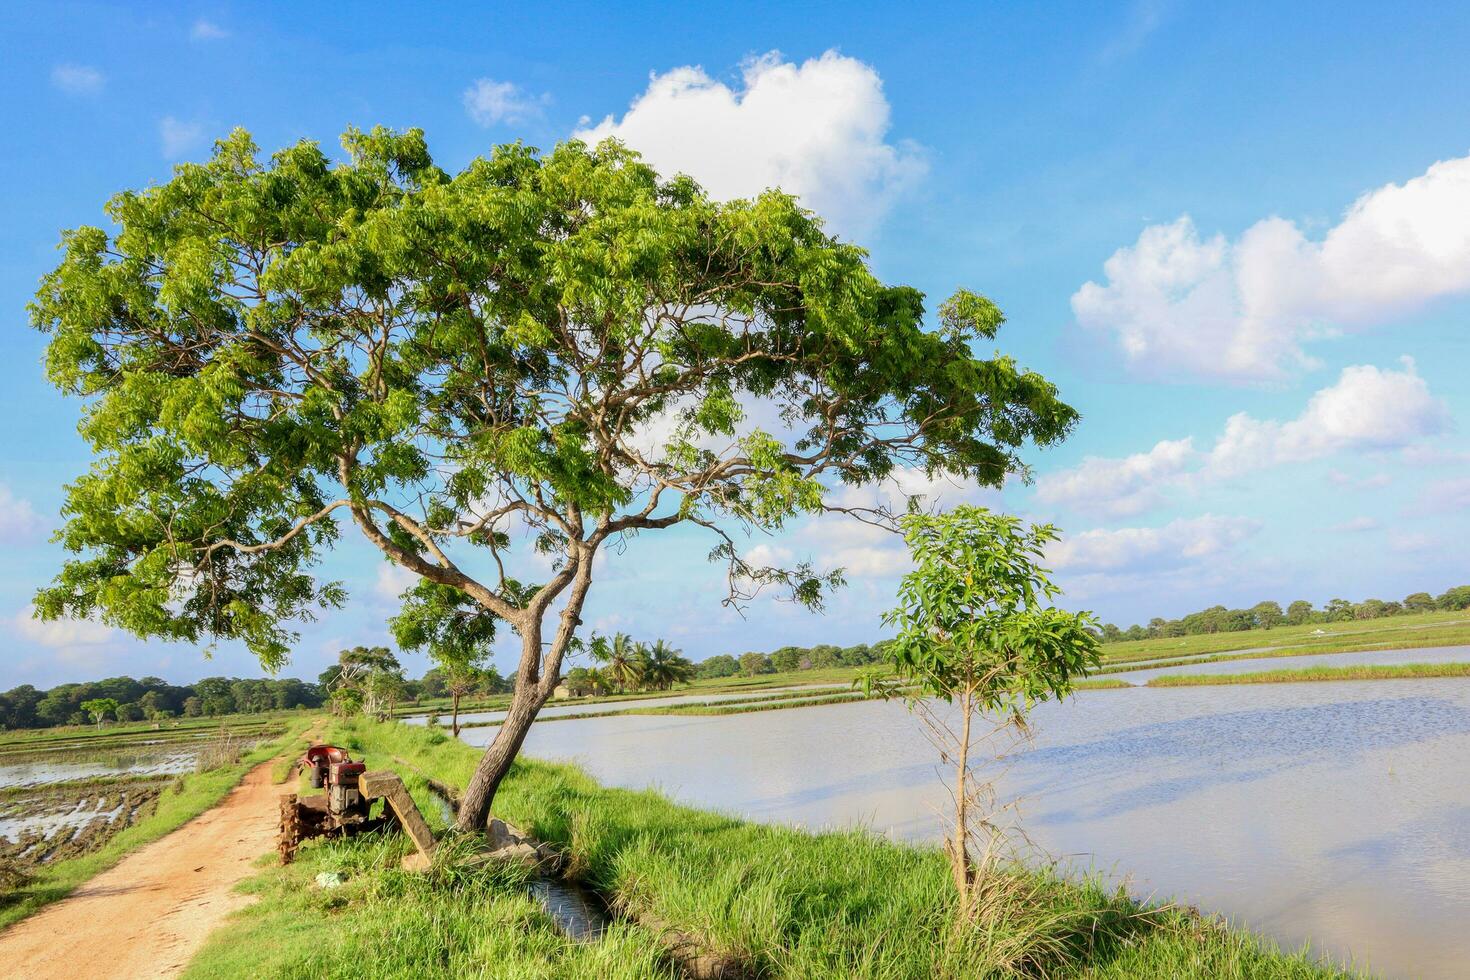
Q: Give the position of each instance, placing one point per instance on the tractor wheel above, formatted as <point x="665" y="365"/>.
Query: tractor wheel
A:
<point x="290" y="830"/>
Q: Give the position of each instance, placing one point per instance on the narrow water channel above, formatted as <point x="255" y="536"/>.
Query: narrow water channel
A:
<point x="1331" y="813"/>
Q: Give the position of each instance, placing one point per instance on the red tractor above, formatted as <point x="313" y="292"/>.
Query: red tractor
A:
<point x="346" y="806"/>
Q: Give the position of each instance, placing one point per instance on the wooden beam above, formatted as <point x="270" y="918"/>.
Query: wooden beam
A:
<point x="386" y="785"/>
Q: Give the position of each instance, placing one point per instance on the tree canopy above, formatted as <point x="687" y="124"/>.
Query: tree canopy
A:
<point x="540" y="353"/>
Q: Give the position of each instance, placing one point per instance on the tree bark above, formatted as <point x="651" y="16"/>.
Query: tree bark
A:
<point x="454" y="716"/>
<point x="960" y="853"/>
<point x="474" y="808"/>
<point x="535" y="680"/>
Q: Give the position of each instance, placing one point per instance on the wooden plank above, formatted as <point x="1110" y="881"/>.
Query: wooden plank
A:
<point x="387" y="785"/>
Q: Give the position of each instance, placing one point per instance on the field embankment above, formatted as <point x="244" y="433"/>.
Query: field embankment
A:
<point x="774" y="901"/>
<point x="1368" y="672"/>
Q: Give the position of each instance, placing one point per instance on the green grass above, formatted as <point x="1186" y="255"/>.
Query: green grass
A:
<point x="195" y="793"/>
<point x="783" y="902"/>
<point x="1367" y="672"/>
<point x="384" y="922"/>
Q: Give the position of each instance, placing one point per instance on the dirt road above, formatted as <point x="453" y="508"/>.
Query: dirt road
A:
<point x="149" y="914"/>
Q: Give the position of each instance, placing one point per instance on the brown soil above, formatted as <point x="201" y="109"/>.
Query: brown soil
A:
<point x="146" y="916"/>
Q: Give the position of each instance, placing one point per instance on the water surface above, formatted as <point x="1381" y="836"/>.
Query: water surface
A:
<point x="1335" y="813"/>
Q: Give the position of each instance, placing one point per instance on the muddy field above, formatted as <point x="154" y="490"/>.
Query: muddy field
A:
<point x="63" y="794"/>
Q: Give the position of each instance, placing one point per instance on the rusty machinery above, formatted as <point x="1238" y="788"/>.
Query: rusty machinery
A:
<point x="346" y="805"/>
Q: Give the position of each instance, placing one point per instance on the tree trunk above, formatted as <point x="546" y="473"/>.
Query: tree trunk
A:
<point x="960" y="846"/>
<point x="535" y="680"/>
<point x="474" y="808"/>
<point x="454" y="718"/>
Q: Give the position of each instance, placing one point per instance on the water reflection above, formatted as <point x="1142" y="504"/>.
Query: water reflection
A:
<point x="1337" y="813"/>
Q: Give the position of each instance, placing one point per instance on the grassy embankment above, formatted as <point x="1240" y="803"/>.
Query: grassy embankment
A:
<point x="187" y="797"/>
<point x="1437" y="629"/>
<point x="1367" y="672"/>
<point x="775" y="901"/>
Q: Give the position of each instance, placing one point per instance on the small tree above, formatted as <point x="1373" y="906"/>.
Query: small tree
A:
<point x="975" y="628"/>
<point x="754" y="663"/>
<point x="456" y="636"/>
<point x="100" y="708"/>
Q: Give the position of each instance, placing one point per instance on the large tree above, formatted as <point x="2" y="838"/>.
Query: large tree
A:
<point x="539" y="353"/>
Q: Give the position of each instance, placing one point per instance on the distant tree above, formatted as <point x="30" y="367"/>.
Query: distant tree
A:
<point x="1135" y="632"/>
<point x="754" y="663"/>
<point x="619" y="659"/>
<point x="100" y="708"/>
<point x="660" y="666"/>
<point x="431" y="685"/>
<point x="975" y="628"/>
<point x="1337" y="610"/>
<point x="1111" y="633"/>
<point x="373" y="673"/>
<point x="456" y="633"/>
<point x="582" y="681"/>
<point x="857" y="655"/>
<point x="825" y="655"/>
<point x="1268" y="614"/>
<point x="1370" y="609"/>
<point x="1419" y="602"/>
<point x="193" y="706"/>
<point x="720" y="665"/>
<point x="787" y="659"/>
<point x="1299" y="612"/>
<point x="1456" y="598"/>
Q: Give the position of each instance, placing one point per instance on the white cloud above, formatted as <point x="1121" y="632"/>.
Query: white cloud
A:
<point x="490" y="102"/>
<point x="204" y="30"/>
<point x="1374" y="482"/>
<point x="393" y="581"/>
<point x="19" y="521"/>
<point x="1367" y="409"/>
<point x="1408" y="543"/>
<point x="177" y="137"/>
<point x="1447" y="495"/>
<point x="893" y="492"/>
<point x="1119" y="487"/>
<point x="1136" y="549"/>
<point x="1355" y="524"/>
<point x="817" y="130"/>
<point x="78" y="79"/>
<point x="1243" y="310"/>
<point x="861" y="550"/>
<point x="60" y="634"/>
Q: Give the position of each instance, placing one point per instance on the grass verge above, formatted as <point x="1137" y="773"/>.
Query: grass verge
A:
<point x="186" y="798"/>
<point x="1367" y="672"/>
<point x="783" y="902"/>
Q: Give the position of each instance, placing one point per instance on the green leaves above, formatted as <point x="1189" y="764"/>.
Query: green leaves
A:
<point x="975" y="616"/>
<point x="267" y="346"/>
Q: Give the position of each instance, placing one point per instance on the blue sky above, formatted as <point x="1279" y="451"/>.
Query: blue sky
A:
<point x="1238" y="239"/>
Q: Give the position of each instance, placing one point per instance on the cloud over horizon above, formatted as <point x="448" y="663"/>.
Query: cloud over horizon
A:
<point x="1244" y="310"/>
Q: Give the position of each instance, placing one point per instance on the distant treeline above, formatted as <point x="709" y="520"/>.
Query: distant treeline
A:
<point x="152" y="698"/>
<point x="789" y="659"/>
<point x="1265" y="615"/>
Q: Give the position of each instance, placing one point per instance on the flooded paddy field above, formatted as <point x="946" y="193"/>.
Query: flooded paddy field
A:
<point x="1333" y="813"/>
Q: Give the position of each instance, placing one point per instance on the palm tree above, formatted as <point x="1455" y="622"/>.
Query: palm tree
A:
<point x="620" y="661"/>
<point x="661" y="666"/>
